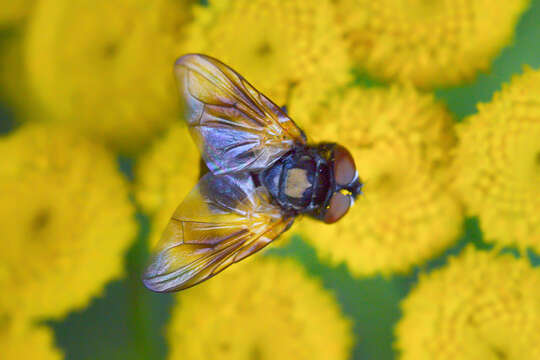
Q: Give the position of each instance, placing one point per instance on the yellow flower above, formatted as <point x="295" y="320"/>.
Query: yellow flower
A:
<point x="263" y="309"/>
<point x="105" y="67"/>
<point x="13" y="11"/>
<point x="400" y="141"/>
<point x="65" y="221"/>
<point x="165" y="175"/>
<point x="19" y="340"/>
<point x="480" y="306"/>
<point x="431" y="43"/>
<point x="274" y="44"/>
<point x="497" y="166"/>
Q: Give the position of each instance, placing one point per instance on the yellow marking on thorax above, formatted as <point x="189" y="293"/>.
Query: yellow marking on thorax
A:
<point x="296" y="183"/>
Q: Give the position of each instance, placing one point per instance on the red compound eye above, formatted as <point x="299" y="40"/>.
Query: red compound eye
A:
<point x="344" y="168"/>
<point x="339" y="205"/>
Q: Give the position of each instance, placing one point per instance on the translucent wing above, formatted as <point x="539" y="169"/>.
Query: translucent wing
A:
<point x="235" y="127"/>
<point x="223" y="220"/>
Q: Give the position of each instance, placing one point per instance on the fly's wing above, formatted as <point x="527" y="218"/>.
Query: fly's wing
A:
<point x="223" y="220"/>
<point x="235" y="127"/>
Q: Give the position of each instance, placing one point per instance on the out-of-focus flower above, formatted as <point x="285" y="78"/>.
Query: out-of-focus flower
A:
<point x="431" y="43"/>
<point x="165" y="175"/>
<point x="263" y="309"/>
<point x="19" y="340"/>
<point x="13" y="11"/>
<point x="480" y="306"/>
<point x="497" y="167"/>
<point x="65" y="221"/>
<point x="274" y="44"/>
<point x="105" y="67"/>
<point x="400" y="141"/>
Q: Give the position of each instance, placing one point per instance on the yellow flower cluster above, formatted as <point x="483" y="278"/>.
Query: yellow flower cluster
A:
<point x="105" y="67"/>
<point x="165" y="175"/>
<point x="87" y="77"/>
<point x="276" y="45"/>
<point x="65" y="221"/>
<point x="497" y="167"/>
<point x="20" y="340"/>
<point x="430" y="43"/>
<point x="400" y="140"/>
<point x="480" y="306"/>
<point x="264" y="309"/>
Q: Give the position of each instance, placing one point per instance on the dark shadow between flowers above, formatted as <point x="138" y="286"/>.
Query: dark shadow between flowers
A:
<point x="126" y="165"/>
<point x="127" y="322"/>
<point x="7" y="120"/>
<point x="373" y="302"/>
<point x="462" y="100"/>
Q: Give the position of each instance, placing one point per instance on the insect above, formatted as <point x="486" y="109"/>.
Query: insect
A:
<point x="262" y="175"/>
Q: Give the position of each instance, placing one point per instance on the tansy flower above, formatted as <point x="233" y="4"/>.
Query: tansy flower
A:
<point x="431" y="43"/>
<point x="65" y="221"/>
<point x="276" y="45"/>
<point x="263" y="309"/>
<point x="19" y="340"/>
<point x="13" y="11"/>
<point x="165" y="175"/>
<point x="400" y="141"/>
<point x="105" y="67"/>
<point x="497" y="168"/>
<point x="480" y="306"/>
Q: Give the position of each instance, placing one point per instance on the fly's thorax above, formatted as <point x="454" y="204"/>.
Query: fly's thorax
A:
<point x="299" y="182"/>
<point x="318" y="180"/>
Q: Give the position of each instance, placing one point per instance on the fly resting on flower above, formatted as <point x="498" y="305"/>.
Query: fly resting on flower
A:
<point x="262" y="175"/>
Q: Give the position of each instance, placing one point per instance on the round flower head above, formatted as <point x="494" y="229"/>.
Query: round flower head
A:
<point x="19" y="340"/>
<point x="13" y="11"/>
<point x="400" y="141"/>
<point x="165" y="175"/>
<point x="105" y="67"/>
<point x="65" y="219"/>
<point x="263" y="309"/>
<point x="430" y="43"/>
<point x="480" y="306"/>
<point x="276" y="45"/>
<point x="497" y="167"/>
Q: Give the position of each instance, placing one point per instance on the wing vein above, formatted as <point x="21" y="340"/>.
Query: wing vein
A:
<point x="233" y="111"/>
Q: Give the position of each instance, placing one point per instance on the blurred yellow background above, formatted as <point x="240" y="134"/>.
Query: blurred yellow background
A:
<point x="439" y="102"/>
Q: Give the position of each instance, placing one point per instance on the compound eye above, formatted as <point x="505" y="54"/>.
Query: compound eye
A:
<point x="344" y="168"/>
<point x="339" y="205"/>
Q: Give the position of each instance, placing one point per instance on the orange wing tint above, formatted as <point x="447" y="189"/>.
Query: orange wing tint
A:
<point x="223" y="220"/>
<point x="235" y="127"/>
